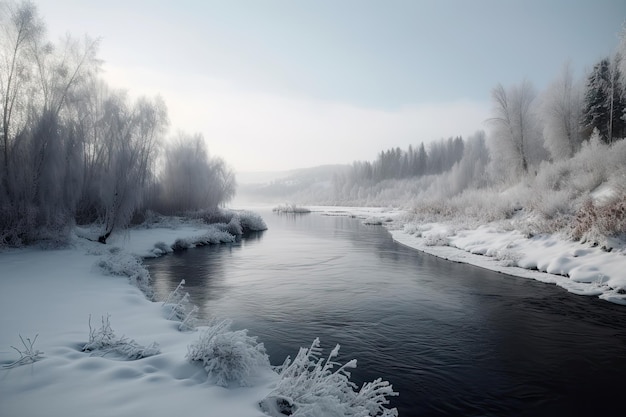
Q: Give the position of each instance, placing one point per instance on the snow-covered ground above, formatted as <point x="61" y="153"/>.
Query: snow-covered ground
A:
<point x="77" y="340"/>
<point x="53" y="293"/>
<point x="576" y="267"/>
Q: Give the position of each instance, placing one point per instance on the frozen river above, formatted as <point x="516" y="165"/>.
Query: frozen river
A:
<point x="452" y="339"/>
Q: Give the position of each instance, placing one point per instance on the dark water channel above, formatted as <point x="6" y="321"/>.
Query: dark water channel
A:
<point x="453" y="339"/>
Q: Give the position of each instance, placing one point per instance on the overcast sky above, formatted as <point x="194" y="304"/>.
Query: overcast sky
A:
<point x="282" y="84"/>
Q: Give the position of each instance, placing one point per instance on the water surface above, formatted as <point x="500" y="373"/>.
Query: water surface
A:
<point x="453" y="339"/>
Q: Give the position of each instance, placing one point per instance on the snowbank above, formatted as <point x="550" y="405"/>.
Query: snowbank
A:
<point x="53" y="293"/>
<point x="576" y="267"/>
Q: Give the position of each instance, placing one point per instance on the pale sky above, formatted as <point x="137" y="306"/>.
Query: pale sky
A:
<point x="283" y="84"/>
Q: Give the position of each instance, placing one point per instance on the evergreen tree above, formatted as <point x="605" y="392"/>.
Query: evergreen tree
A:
<point x="604" y="102"/>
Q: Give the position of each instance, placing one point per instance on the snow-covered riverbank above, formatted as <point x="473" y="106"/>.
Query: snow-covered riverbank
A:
<point x="576" y="267"/>
<point x="53" y="293"/>
<point x="88" y="343"/>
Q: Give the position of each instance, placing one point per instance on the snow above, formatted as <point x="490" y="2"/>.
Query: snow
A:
<point x="53" y="293"/>
<point x="574" y="266"/>
<point x="96" y="346"/>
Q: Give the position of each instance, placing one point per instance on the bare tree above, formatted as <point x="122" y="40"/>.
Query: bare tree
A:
<point x="21" y="27"/>
<point x="516" y="137"/>
<point x="561" y="111"/>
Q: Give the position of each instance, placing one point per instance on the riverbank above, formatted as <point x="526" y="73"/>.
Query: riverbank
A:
<point x="54" y="293"/>
<point x="578" y="268"/>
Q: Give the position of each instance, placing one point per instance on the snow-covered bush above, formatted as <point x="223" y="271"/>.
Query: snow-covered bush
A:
<point x="234" y="226"/>
<point x="313" y="386"/>
<point x="161" y="248"/>
<point x="214" y="235"/>
<point x="120" y="263"/>
<point x="508" y="257"/>
<point x="291" y="208"/>
<point x="103" y="341"/>
<point x="436" y="239"/>
<point x="229" y="357"/>
<point x="594" y="223"/>
<point x="413" y="229"/>
<point x="373" y="221"/>
<point x="179" y="308"/>
<point x="251" y="221"/>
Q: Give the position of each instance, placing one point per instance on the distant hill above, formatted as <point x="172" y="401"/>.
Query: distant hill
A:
<point x="305" y="185"/>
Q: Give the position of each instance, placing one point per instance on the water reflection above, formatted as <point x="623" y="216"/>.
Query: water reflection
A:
<point x="452" y="338"/>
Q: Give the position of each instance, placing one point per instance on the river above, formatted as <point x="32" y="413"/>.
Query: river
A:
<point x="453" y="339"/>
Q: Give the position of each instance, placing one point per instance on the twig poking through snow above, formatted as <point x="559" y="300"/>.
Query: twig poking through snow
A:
<point x="28" y="355"/>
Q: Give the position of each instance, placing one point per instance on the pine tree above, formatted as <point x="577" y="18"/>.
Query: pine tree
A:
<point x="604" y="102"/>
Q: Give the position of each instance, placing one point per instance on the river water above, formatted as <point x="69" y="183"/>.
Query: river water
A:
<point x="453" y="339"/>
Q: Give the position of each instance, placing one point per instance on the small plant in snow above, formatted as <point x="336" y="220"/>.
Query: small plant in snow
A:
<point x="436" y="239"/>
<point x="228" y="357"/>
<point x="310" y="386"/>
<point x="177" y="302"/>
<point x="28" y="355"/>
<point x="508" y="257"/>
<point x="413" y="229"/>
<point x="103" y="341"/>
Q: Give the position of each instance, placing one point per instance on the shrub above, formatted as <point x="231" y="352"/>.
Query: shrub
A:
<point x="228" y="357"/>
<point x="593" y="223"/>
<point x="251" y="221"/>
<point x="179" y="308"/>
<point x="291" y="208"/>
<point x="120" y="263"/>
<point x="310" y="387"/>
<point x="28" y="355"/>
<point x="103" y="341"/>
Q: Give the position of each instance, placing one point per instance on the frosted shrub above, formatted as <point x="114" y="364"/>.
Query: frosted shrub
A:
<point x="373" y="221"/>
<point x="436" y="239"/>
<point x="251" y="221"/>
<point x="120" y="263"/>
<point x="228" y="357"/>
<point x="234" y="226"/>
<point x="313" y="386"/>
<point x="412" y="229"/>
<point x="595" y="223"/>
<point x="181" y="244"/>
<point x="161" y="248"/>
<point x="291" y="208"/>
<point x="179" y="308"/>
<point x="508" y="257"/>
<point x="214" y="235"/>
<point x="103" y="341"/>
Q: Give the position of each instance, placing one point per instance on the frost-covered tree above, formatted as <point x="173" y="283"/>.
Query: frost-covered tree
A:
<point x="561" y="108"/>
<point x="191" y="179"/>
<point x="21" y="27"/>
<point x="131" y="135"/>
<point x="516" y="137"/>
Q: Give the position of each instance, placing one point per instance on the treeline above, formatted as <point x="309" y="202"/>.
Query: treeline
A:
<point x="413" y="162"/>
<point x="526" y="129"/>
<point x="73" y="150"/>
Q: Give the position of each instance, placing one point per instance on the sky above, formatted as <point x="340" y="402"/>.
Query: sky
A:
<point x="283" y="84"/>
